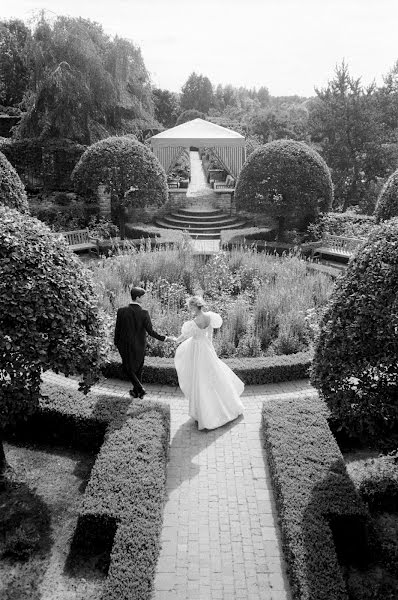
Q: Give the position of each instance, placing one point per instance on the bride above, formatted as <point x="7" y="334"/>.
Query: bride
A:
<point x="212" y="389"/>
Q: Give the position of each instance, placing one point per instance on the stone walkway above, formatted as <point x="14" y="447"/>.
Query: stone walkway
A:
<point x="220" y="537"/>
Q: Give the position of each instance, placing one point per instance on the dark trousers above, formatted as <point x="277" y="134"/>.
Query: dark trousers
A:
<point x="134" y="376"/>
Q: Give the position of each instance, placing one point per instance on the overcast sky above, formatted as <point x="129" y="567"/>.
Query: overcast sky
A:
<point x="290" y="46"/>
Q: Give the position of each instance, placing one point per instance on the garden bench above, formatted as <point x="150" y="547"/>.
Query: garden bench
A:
<point x="225" y="186"/>
<point x="335" y="245"/>
<point x="81" y="240"/>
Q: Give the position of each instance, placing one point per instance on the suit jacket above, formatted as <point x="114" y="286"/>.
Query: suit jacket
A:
<point x="133" y="323"/>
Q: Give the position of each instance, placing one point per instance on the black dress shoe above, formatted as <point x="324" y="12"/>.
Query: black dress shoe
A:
<point x="142" y="394"/>
<point x="134" y="393"/>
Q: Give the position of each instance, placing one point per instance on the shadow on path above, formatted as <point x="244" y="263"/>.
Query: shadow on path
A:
<point x="187" y="443"/>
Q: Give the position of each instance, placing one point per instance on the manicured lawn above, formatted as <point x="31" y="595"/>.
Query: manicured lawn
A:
<point x="37" y="521"/>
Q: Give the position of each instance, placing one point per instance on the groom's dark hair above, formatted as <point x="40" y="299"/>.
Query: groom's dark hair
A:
<point x="136" y="292"/>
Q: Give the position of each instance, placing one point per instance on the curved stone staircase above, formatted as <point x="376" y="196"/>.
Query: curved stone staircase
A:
<point x="205" y="224"/>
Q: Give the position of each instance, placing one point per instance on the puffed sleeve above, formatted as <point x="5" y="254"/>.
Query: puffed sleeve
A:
<point x="215" y="320"/>
<point x="186" y="329"/>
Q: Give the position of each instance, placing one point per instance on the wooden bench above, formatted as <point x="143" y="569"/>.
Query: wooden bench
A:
<point x="225" y="186"/>
<point x="81" y="240"/>
<point x="334" y="245"/>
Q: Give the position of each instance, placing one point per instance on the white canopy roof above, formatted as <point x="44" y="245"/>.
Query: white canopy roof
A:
<point x="198" y="133"/>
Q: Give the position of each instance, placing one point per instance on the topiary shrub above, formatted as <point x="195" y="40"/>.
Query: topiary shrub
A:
<point x="355" y="366"/>
<point x="288" y="181"/>
<point x="129" y="170"/>
<point x="12" y="191"/>
<point x="49" y="318"/>
<point x="190" y="115"/>
<point x="387" y="202"/>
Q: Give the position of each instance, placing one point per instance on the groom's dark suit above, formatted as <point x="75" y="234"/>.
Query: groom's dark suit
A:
<point x="132" y="324"/>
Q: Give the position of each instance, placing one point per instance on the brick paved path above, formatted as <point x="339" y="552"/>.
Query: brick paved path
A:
<point x="220" y="537"/>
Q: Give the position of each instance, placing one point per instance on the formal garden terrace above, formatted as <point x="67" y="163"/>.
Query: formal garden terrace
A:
<point x="108" y="497"/>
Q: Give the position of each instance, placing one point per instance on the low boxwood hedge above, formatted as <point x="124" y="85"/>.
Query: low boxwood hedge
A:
<point x="123" y="502"/>
<point x="323" y="520"/>
<point x="253" y="371"/>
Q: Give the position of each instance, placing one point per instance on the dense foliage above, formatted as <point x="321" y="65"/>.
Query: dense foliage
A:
<point x="190" y="115"/>
<point x="323" y="520"/>
<point x="128" y="169"/>
<point x="387" y="202"/>
<point x="14" y="66"/>
<point x="355" y="365"/>
<point x="286" y="180"/>
<point x="12" y="191"/>
<point x="43" y="164"/>
<point x="49" y="318"/>
<point x="197" y="93"/>
<point x="166" y="107"/>
<point x="270" y="305"/>
<point x="347" y="224"/>
<point x="69" y="63"/>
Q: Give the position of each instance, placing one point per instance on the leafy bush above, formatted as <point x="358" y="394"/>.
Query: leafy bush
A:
<point x="12" y="191"/>
<point x="376" y="480"/>
<point x="347" y="224"/>
<point x="123" y="502"/>
<point x="387" y="202"/>
<point x="49" y="318"/>
<point x="130" y="171"/>
<point x="322" y="518"/>
<point x="287" y="180"/>
<point x="75" y="215"/>
<point x="355" y="366"/>
<point x="190" y="115"/>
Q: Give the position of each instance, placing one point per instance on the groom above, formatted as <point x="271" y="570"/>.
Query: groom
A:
<point x="132" y="324"/>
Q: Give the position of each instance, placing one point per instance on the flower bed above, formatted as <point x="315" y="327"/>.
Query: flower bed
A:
<point x="322" y="517"/>
<point x="270" y="305"/>
<point x="123" y="503"/>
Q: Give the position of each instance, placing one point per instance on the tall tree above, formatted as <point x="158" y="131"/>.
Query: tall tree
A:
<point x="14" y="61"/>
<point x="83" y="84"/>
<point x="344" y="122"/>
<point x="166" y="107"/>
<point x="197" y="93"/>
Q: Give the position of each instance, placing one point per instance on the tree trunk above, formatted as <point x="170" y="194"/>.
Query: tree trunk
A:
<point x="122" y="222"/>
<point x="3" y="463"/>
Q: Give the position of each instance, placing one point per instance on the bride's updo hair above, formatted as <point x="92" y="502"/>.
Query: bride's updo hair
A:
<point x="196" y="301"/>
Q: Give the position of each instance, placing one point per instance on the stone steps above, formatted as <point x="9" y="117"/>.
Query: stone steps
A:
<point x="206" y="223"/>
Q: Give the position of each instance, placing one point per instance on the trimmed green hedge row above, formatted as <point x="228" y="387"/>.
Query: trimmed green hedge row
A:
<point x="253" y="371"/>
<point x="322" y="518"/>
<point x="123" y="503"/>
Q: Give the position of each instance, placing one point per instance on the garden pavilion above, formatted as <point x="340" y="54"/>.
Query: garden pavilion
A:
<point x="227" y="145"/>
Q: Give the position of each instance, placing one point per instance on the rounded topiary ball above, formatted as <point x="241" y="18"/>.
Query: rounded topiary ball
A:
<point x="286" y="179"/>
<point x="190" y="115"/>
<point x="355" y="366"/>
<point x="128" y="169"/>
<point x="49" y="315"/>
<point x="387" y="202"/>
<point x="12" y="190"/>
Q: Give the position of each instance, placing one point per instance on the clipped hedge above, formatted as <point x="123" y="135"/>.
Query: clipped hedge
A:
<point x="130" y="171"/>
<point x="387" y="202"/>
<point x="253" y="371"/>
<point x="347" y="224"/>
<point x="123" y="502"/>
<point x="12" y="191"/>
<point x="355" y="365"/>
<point x="322" y="518"/>
<point x="286" y="180"/>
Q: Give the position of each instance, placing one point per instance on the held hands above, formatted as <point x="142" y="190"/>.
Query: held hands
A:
<point x="170" y="338"/>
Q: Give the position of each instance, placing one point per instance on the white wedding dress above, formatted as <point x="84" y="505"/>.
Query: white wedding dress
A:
<point x="211" y="387"/>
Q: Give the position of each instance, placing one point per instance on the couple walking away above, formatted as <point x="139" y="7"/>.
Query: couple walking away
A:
<point x="211" y="388"/>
